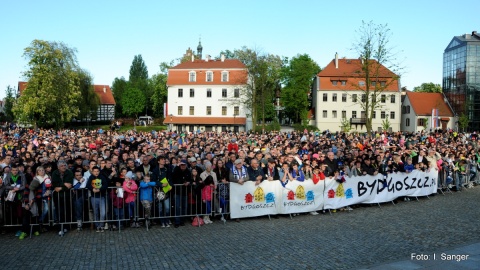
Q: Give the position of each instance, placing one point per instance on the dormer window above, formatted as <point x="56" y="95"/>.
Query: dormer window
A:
<point x="224" y="76"/>
<point x="209" y="76"/>
<point x="192" y="76"/>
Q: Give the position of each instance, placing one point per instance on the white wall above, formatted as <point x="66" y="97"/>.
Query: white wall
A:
<point x="200" y="101"/>
<point x="333" y="124"/>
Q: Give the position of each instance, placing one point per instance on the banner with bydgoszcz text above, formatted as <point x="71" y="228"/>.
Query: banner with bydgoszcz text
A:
<point x="270" y="197"/>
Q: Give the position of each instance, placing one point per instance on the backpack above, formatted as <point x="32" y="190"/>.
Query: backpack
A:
<point x="197" y="221"/>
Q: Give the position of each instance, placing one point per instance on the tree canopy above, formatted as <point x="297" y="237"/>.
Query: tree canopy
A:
<point x="133" y="102"/>
<point x="9" y="101"/>
<point x="52" y="93"/>
<point x="298" y="75"/>
<point x="428" y="88"/>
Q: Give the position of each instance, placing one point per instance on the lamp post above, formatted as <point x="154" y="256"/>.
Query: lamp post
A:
<point x="234" y="117"/>
<point x="171" y="124"/>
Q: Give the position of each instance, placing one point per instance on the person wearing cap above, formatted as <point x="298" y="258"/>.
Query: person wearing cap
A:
<point x="193" y="164"/>
<point x="233" y="146"/>
<point x="271" y="170"/>
<point x="181" y="180"/>
<point x="62" y="182"/>
<point x="238" y="174"/>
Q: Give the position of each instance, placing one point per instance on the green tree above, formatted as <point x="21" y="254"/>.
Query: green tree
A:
<point x="386" y="125"/>
<point x="158" y="84"/>
<point x="297" y="78"/>
<point x="428" y="88"/>
<point x="89" y="100"/>
<point x="377" y="64"/>
<point x="119" y="86"/>
<point x="264" y="74"/>
<point x="463" y="122"/>
<point x="133" y="102"/>
<point x="9" y="101"/>
<point x="139" y="79"/>
<point x="51" y="95"/>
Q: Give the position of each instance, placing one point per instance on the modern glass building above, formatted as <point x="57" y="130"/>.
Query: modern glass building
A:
<point x="461" y="77"/>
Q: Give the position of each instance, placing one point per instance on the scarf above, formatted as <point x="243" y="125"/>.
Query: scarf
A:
<point x="41" y="178"/>
<point x="235" y="173"/>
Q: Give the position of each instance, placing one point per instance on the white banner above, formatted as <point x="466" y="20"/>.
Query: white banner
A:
<point x="298" y="197"/>
<point x="248" y="200"/>
<point x="270" y="198"/>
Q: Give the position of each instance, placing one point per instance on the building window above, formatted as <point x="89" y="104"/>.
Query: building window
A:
<point x="408" y="109"/>
<point x="392" y="99"/>
<point x="209" y="76"/>
<point x="325" y="97"/>
<point x="374" y="84"/>
<point x="382" y="84"/>
<point x="209" y="110"/>
<point x="361" y="83"/>
<point x="334" y="82"/>
<point x="192" y="110"/>
<point x="224" y="110"/>
<point x="224" y="76"/>
<point x="180" y="92"/>
<point x="180" y="110"/>
<point x="334" y="114"/>
<point x="392" y="115"/>
<point x="324" y="114"/>
<point x="354" y="114"/>
<point x="224" y="93"/>
<point x="209" y="92"/>
<point x="334" y="97"/>
<point x="382" y="115"/>
<point x="236" y="110"/>
<point x="354" y="98"/>
<point x="407" y="122"/>
<point x="374" y="98"/>
<point x="421" y="122"/>
<point x="364" y="98"/>
<point x="236" y="93"/>
<point x="374" y="115"/>
<point x="383" y="98"/>
<point x="192" y="92"/>
<point x="344" y="97"/>
<point x="344" y="114"/>
<point x="192" y="76"/>
<point x="344" y="82"/>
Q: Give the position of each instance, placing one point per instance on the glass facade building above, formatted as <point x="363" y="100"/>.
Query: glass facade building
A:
<point x="461" y="77"/>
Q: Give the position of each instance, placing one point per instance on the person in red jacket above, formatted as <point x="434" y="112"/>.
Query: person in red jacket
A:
<point x="233" y="146"/>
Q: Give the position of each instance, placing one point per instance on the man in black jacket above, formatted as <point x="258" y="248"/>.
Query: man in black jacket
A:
<point x="332" y="165"/>
<point x="181" y="179"/>
<point x="271" y="170"/>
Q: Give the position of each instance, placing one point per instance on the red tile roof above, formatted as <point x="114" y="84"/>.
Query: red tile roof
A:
<point x="210" y="64"/>
<point x="351" y="68"/>
<point x="104" y="93"/>
<point x="204" y="120"/>
<point x="423" y="103"/>
<point x="105" y="97"/>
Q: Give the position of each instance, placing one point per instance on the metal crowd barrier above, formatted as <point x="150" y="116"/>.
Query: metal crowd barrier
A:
<point x="81" y="207"/>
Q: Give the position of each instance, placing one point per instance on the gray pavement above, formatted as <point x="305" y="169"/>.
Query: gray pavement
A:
<point x="366" y="238"/>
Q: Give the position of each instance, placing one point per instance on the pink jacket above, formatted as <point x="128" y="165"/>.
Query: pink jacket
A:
<point x="129" y="191"/>
<point x="207" y="192"/>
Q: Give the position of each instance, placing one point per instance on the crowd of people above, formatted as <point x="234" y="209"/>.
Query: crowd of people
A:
<point x="183" y="175"/>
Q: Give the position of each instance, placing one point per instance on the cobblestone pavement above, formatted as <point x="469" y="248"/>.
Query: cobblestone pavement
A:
<point x="363" y="238"/>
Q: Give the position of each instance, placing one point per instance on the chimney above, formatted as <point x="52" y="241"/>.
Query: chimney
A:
<point x="104" y="89"/>
<point x="222" y="57"/>
<point x="336" y="60"/>
<point x="193" y="57"/>
<point x="207" y="58"/>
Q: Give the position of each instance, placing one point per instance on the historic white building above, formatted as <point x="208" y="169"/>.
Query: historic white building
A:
<point x="204" y="95"/>
<point x="337" y="94"/>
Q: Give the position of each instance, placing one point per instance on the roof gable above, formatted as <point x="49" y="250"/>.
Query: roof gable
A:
<point x="423" y="103"/>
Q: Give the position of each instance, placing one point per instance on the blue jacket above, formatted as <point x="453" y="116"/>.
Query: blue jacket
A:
<point x="146" y="191"/>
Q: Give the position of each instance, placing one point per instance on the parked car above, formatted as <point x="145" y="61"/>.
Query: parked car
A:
<point x="144" y="120"/>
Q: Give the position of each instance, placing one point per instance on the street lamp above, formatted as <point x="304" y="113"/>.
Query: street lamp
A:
<point x="234" y="117"/>
<point x="171" y="124"/>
